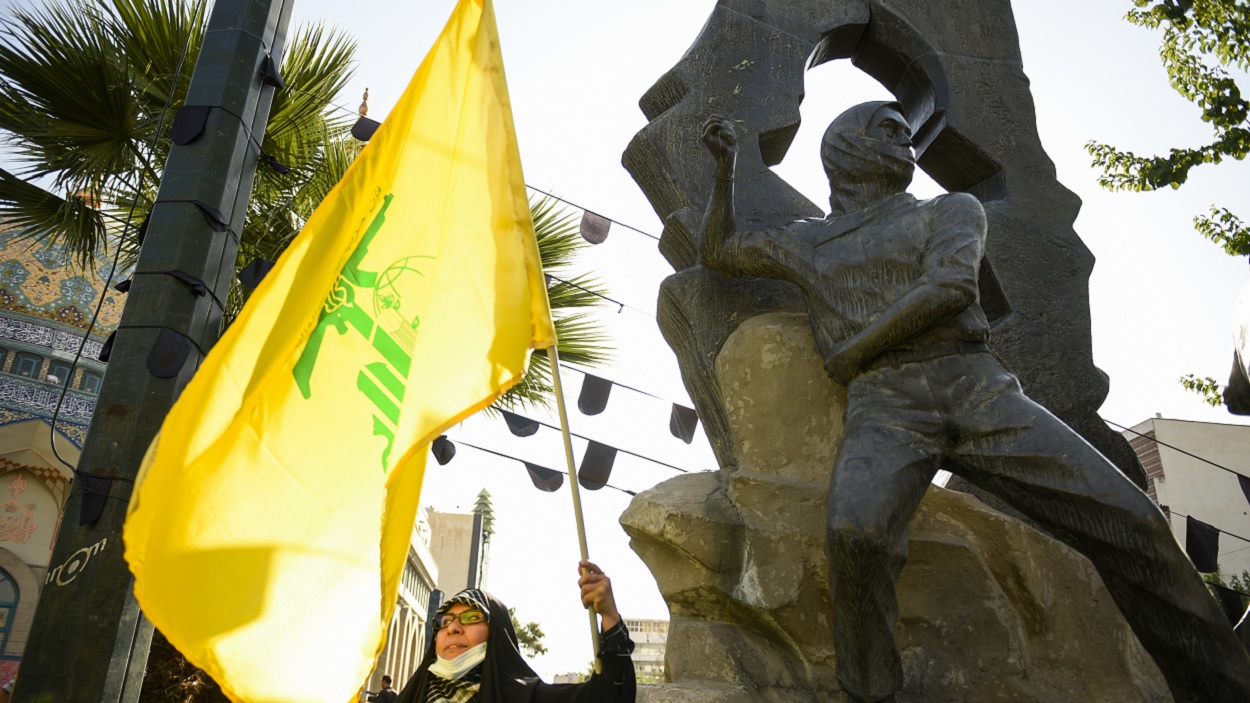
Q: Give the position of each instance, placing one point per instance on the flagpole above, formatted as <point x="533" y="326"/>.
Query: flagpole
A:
<point x="554" y="357"/>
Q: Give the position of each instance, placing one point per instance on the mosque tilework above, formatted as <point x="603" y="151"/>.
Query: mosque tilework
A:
<point x="42" y="280"/>
<point x="40" y="399"/>
<point x="44" y="336"/>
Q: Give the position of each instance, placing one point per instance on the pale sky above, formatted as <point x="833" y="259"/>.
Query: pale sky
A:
<point x="1161" y="296"/>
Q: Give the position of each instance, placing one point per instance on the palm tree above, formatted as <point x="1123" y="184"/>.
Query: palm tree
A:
<point x="84" y="86"/>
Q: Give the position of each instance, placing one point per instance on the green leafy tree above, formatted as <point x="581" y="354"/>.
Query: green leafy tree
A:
<point x="529" y="635"/>
<point x="1202" y="40"/>
<point x="1241" y="584"/>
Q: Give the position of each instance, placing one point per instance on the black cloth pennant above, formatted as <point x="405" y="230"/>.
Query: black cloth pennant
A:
<point x="215" y="219"/>
<point x="443" y="449"/>
<point x="518" y="425"/>
<point x="270" y="75"/>
<point x="594" y="227"/>
<point x="364" y="128"/>
<point x="682" y="423"/>
<point x="143" y="229"/>
<point x="122" y="286"/>
<point x="189" y="123"/>
<point x="596" y="466"/>
<point x="255" y="272"/>
<point x="169" y="353"/>
<point x="594" y="396"/>
<point x="1231" y="601"/>
<point x="1202" y="544"/>
<point x="271" y="162"/>
<point x="95" y="495"/>
<point x="106" y="349"/>
<point x="1244" y="482"/>
<point x="544" y="479"/>
<point x="193" y="283"/>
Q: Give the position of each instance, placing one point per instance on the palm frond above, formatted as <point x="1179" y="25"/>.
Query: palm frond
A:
<point x="155" y="36"/>
<point x="45" y="216"/>
<point x="583" y="339"/>
<point x="318" y="65"/>
<point x="69" y="105"/>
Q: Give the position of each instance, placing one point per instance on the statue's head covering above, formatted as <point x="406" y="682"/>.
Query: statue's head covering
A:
<point x="862" y="169"/>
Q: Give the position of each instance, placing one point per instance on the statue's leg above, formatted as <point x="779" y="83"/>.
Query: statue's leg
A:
<point x="883" y="468"/>
<point x="1015" y="449"/>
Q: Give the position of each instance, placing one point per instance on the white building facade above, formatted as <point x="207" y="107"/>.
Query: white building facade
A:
<point x="1194" y="470"/>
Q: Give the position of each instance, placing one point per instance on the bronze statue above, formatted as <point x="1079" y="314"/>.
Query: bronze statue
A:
<point x="890" y="285"/>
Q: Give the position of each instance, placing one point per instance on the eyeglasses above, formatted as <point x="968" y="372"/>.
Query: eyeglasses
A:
<point x="468" y="617"/>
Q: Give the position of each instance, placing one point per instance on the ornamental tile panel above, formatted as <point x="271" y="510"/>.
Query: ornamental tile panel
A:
<point x="42" y="280"/>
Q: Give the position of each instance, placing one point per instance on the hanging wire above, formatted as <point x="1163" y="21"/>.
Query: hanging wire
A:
<point x="621" y="306"/>
<point x="126" y="227"/>
<point x="583" y="209"/>
<point x="356" y="113"/>
<point x="1178" y="449"/>
<point x="463" y="443"/>
<point x="588" y="439"/>
<point x="584" y="372"/>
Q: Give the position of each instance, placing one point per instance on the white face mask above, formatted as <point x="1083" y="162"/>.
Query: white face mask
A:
<point x="453" y="669"/>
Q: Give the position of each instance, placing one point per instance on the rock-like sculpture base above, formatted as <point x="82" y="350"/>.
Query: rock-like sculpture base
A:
<point x="991" y="609"/>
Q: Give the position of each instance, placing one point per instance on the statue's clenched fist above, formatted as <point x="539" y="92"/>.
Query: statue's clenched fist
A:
<point x="720" y="138"/>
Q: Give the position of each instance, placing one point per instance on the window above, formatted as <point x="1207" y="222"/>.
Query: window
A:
<point x="58" y="373"/>
<point x="4" y="356"/>
<point x="27" y="365"/>
<point x="90" y="381"/>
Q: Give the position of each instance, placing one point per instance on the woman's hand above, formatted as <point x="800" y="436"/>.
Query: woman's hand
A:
<point x="597" y="593"/>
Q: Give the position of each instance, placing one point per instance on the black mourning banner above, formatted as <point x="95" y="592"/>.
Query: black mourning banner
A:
<point x="214" y="217"/>
<point x="594" y="396"/>
<point x="189" y="123"/>
<point x="95" y="494"/>
<point x="1231" y="601"/>
<point x="443" y="450"/>
<point x="1202" y="544"/>
<point x="518" y="425"/>
<point x="364" y="128"/>
<point x="1244" y="482"/>
<point x="193" y="283"/>
<point x="271" y="75"/>
<point x="106" y="349"/>
<point x="255" y="272"/>
<point x="682" y="423"/>
<point x="168" y="354"/>
<point x="596" y="466"/>
<point x="594" y="228"/>
<point x="544" y="479"/>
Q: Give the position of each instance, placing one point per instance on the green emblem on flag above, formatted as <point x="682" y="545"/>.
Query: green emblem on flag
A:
<point x="373" y="304"/>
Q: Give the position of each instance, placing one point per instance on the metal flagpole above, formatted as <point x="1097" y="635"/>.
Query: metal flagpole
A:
<point x="554" y="357"/>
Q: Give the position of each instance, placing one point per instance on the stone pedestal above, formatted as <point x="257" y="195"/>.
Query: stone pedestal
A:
<point x="991" y="609"/>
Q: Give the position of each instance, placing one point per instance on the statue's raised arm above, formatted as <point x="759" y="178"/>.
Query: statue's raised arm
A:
<point x="890" y="284"/>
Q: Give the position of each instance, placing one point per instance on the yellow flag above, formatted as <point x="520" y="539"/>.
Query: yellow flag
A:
<point x="271" y="525"/>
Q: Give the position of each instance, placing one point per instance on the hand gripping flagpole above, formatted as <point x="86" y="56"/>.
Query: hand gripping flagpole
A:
<point x="554" y="358"/>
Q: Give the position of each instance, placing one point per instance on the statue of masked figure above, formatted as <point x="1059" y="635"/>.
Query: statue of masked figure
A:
<point x="890" y="285"/>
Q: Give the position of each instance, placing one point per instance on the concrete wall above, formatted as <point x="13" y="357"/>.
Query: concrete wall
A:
<point x="451" y="540"/>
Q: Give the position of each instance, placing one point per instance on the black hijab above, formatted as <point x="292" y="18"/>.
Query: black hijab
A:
<point x="506" y="678"/>
<point x="862" y="170"/>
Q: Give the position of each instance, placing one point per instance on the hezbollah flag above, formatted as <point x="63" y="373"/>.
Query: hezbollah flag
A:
<point x="271" y="526"/>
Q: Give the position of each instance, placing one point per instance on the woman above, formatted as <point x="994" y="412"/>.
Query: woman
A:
<point x="474" y="657"/>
